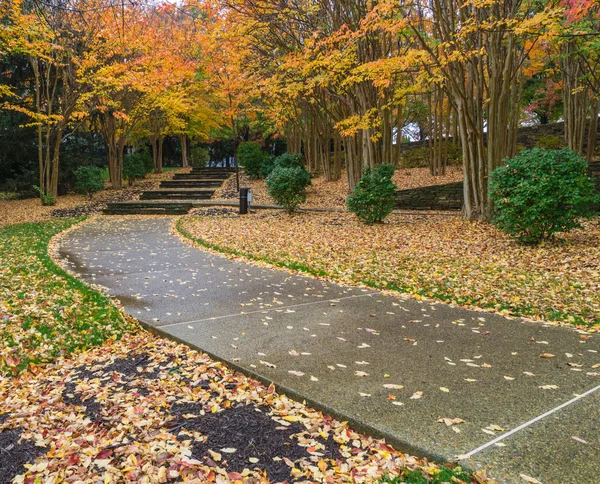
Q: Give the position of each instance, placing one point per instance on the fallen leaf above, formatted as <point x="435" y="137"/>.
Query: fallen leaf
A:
<point x="392" y="386"/>
<point x="530" y="479"/>
<point x="215" y="456"/>
<point x="451" y="421"/>
<point x="577" y="439"/>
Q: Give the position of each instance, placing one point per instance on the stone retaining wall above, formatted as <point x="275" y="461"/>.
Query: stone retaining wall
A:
<point x="435" y="197"/>
<point x="450" y="196"/>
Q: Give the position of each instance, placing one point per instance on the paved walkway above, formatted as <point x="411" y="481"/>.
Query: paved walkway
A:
<point x="392" y="366"/>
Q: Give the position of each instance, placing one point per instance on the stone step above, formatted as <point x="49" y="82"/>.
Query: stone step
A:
<point x="205" y="172"/>
<point x="201" y="176"/>
<point x="176" y="195"/>
<point x="196" y="176"/>
<point x="147" y="208"/>
<point x="190" y="183"/>
<point x="144" y="211"/>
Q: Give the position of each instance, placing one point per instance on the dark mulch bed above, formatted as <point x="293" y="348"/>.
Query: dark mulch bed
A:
<point x="92" y="409"/>
<point x="126" y="367"/>
<point x="253" y="434"/>
<point x="246" y="428"/>
<point x="14" y="455"/>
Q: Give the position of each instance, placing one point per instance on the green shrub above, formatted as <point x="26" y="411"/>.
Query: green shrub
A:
<point x="373" y="198"/>
<point x="147" y="160"/>
<point x="269" y="165"/>
<point x="89" y="180"/>
<point x="199" y="157"/>
<point x="419" y="157"/>
<point x="289" y="160"/>
<point x="550" y="142"/>
<point x="47" y="198"/>
<point x="287" y="186"/>
<point x="251" y="158"/>
<point x="541" y="192"/>
<point x="286" y="160"/>
<point x="134" y="167"/>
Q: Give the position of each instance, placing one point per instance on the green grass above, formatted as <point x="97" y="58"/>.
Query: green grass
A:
<point x="44" y="312"/>
<point x="437" y="476"/>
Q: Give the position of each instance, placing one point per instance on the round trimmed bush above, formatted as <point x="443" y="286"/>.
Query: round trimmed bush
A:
<point x="287" y="186"/>
<point x="286" y="160"/>
<point x="251" y="158"/>
<point x="89" y="180"/>
<point x="541" y="192"/>
<point x="373" y="198"/>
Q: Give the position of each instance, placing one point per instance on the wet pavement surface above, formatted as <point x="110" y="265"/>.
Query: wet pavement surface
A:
<point x="392" y="366"/>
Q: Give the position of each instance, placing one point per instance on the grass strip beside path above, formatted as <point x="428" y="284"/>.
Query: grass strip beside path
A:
<point x="44" y="312"/>
<point x="449" y="260"/>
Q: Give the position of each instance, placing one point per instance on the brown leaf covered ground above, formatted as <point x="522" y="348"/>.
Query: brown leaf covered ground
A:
<point x="324" y="194"/>
<point x="133" y="410"/>
<point x="31" y="210"/>
<point x="443" y="258"/>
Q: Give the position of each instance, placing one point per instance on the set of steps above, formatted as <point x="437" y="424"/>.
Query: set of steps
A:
<point x="196" y="176"/>
<point x="148" y="208"/>
<point x="191" y="183"/>
<point x="176" y="196"/>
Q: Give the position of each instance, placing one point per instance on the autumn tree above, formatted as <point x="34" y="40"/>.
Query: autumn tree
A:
<point x="53" y="37"/>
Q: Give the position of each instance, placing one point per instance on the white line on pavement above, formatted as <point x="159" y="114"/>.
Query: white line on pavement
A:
<point x="267" y="310"/>
<point x="527" y="424"/>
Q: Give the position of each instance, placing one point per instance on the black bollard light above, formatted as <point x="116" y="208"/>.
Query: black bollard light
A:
<point x="244" y="200"/>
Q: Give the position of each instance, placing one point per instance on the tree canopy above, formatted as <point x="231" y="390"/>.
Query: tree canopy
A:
<point x="344" y="82"/>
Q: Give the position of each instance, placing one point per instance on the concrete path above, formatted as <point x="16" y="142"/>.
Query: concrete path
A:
<point x="392" y="366"/>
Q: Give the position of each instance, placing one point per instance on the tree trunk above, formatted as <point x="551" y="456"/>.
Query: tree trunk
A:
<point x="592" y="131"/>
<point x="184" y="157"/>
<point x="159" y="155"/>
